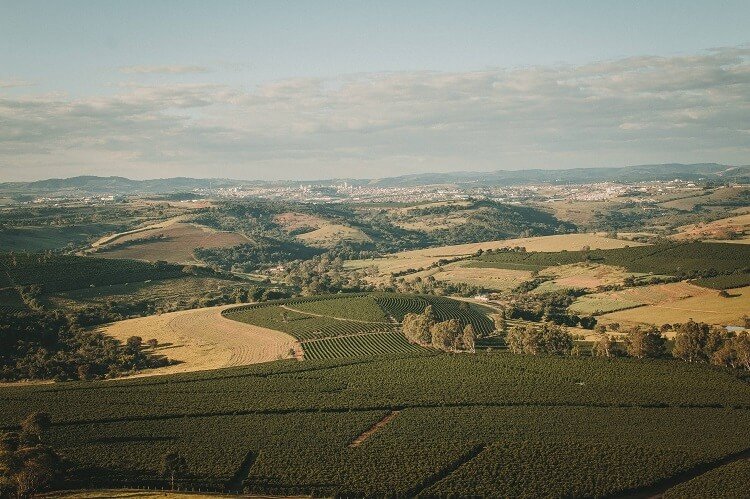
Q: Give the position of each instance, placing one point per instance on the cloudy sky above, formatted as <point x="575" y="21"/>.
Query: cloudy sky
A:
<point x="284" y="90"/>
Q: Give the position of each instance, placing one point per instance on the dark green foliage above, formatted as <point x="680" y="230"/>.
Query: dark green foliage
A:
<point x="495" y="436"/>
<point x="359" y="345"/>
<point x="52" y="345"/>
<point x="688" y="259"/>
<point x="66" y="272"/>
<point x="730" y="480"/>
<point x="729" y="281"/>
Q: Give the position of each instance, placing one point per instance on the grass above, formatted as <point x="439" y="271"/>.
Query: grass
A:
<point x="597" y="305"/>
<point x="495" y="425"/>
<point x="177" y="245"/>
<point x="710" y="308"/>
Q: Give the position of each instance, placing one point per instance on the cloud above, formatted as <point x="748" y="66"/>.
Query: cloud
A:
<point x="15" y="84"/>
<point x="690" y="108"/>
<point x="174" y="69"/>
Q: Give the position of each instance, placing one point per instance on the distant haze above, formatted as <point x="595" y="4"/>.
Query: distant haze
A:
<point x="267" y="90"/>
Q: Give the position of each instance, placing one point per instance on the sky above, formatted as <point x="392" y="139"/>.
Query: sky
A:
<point x="350" y="89"/>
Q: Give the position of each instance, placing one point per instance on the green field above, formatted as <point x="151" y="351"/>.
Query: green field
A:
<point x="725" y="281"/>
<point x="495" y="424"/>
<point x="671" y="259"/>
<point x="361" y="344"/>
<point x="65" y="272"/>
<point x="320" y="317"/>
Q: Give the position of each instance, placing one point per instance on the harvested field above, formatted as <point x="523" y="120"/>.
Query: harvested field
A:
<point x="704" y="306"/>
<point x="175" y="244"/>
<point x="202" y="339"/>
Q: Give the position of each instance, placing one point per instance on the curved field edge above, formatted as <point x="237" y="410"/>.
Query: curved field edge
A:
<point x="203" y="339"/>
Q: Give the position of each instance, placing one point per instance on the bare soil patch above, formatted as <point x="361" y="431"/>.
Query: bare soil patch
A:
<point x="203" y="339"/>
<point x="374" y="428"/>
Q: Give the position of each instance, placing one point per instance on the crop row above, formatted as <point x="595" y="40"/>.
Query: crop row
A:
<point x="303" y="326"/>
<point x="397" y="306"/>
<point x="672" y="259"/>
<point x="364" y="344"/>
<point x="528" y="451"/>
<point x="403" y="380"/>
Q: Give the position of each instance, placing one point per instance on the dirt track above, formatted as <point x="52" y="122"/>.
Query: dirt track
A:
<point x="203" y="339"/>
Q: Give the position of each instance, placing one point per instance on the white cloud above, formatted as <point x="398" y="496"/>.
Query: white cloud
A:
<point x="174" y="69"/>
<point x="15" y="84"/>
<point x="646" y="109"/>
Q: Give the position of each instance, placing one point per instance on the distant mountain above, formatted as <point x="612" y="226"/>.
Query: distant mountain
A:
<point x="640" y="173"/>
<point x="93" y="185"/>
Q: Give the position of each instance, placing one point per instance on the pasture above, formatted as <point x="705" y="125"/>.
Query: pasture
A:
<point x="706" y="306"/>
<point x="494" y="424"/>
<point x="173" y="243"/>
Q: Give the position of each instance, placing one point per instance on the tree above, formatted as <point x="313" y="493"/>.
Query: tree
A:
<point x="26" y="465"/>
<point x="173" y="465"/>
<point x="689" y="341"/>
<point x="444" y="334"/>
<point x="133" y="344"/>
<point x="416" y="328"/>
<point x="603" y="347"/>
<point x="648" y="343"/>
<point x="153" y="343"/>
<point x="556" y="340"/>
<point x="469" y="337"/>
<point x="500" y="324"/>
<point x="514" y="339"/>
<point x="34" y="427"/>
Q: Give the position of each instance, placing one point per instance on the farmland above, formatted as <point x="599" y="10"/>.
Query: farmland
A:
<point x="201" y="339"/>
<point x="351" y="325"/>
<point x="710" y="308"/>
<point x="673" y="259"/>
<point x="415" y="259"/>
<point x="173" y="242"/>
<point x="546" y="416"/>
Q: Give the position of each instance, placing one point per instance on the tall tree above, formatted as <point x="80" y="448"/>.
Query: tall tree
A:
<point x="173" y="466"/>
<point x="469" y="338"/>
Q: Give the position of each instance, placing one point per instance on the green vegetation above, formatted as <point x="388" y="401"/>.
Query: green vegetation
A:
<point x="522" y="426"/>
<point x="725" y="281"/>
<point x="330" y="316"/>
<point x="63" y="272"/>
<point x="688" y="259"/>
<point x="52" y="345"/>
<point x="359" y="345"/>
